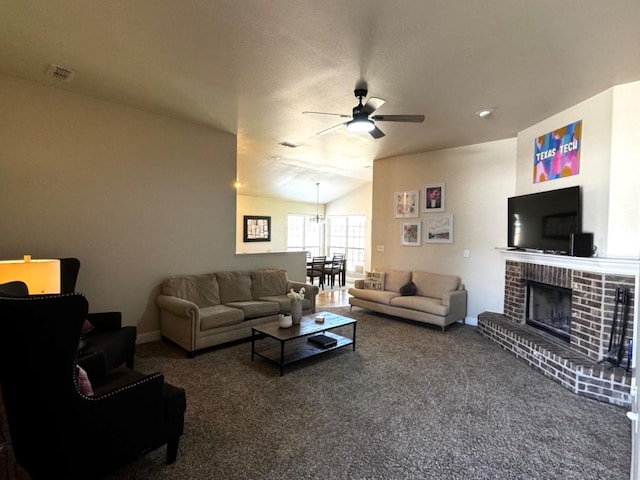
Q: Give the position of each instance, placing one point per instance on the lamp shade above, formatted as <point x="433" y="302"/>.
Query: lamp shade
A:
<point x="41" y="276"/>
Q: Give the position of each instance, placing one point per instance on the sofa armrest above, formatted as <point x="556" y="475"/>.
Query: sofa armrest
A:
<point x="457" y="303"/>
<point x="178" y="306"/>
<point x="310" y="292"/>
<point x="358" y="283"/>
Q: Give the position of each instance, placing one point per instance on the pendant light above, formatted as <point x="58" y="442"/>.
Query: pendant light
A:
<point x="318" y="218"/>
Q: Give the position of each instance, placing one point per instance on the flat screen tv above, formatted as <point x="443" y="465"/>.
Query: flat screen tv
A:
<point x="544" y="221"/>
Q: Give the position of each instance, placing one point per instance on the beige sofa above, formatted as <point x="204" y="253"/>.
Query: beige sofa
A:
<point x="199" y="311"/>
<point x="439" y="299"/>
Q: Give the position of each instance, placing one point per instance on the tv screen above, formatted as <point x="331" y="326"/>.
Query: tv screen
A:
<point x="545" y="220"/>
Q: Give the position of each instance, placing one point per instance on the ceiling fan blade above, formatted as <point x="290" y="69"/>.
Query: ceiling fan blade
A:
<point x="372" y="105"/>
<point x="376" y="133"/>
<point x="399" y="118"/>
<point x="330" y="129"/>
<point x="341" y="115"/>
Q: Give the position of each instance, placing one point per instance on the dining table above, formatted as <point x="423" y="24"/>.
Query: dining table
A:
<point x="343" y="269"/>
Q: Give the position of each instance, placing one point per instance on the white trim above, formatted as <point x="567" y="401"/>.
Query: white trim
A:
<point x="473" y="321"/>
<point x="611" y="265"/>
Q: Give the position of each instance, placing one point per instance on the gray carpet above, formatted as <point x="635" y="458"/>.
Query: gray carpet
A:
<point x="409" y="403"/>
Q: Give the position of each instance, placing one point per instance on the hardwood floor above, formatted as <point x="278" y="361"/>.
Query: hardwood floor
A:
<point x="336" y="297"/>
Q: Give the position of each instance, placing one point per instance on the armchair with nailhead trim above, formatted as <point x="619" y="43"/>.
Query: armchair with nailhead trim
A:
<point x="57" y="427"/>
<point x="108" y="344"/>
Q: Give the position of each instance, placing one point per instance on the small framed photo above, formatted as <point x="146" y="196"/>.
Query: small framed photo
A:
<point x="433" y="197"/>
<point x="406" y="204"/>
<point x="257" y="228"/>
<point x="411" y="234"/>
<point x="439" y="228"/>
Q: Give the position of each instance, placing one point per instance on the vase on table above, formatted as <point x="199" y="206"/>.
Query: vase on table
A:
<point x="296" y="311"/>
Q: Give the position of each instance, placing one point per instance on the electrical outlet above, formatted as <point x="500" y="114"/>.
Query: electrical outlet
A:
<point x="380" y="248"/>
<point x="465" y="254"/>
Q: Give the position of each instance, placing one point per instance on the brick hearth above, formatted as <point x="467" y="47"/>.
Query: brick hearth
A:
<point x="574" y="364"/>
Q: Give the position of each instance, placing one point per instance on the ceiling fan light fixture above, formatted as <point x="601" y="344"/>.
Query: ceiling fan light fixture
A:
<point x="485" y="112"/>
<point x="360" y="125"/>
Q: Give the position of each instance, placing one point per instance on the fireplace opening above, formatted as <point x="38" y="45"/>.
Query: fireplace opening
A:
<point x="548" y="308"/>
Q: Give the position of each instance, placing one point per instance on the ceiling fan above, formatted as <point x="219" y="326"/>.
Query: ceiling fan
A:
<point x="361" y="118"/>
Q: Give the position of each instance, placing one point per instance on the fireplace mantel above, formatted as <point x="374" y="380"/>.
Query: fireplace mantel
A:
<point x="610" y="265"/>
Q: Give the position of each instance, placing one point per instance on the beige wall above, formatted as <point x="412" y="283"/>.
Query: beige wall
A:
<point x="135" y="196"/>
<point x="278" y="210"/>
<point x="358" y="202"/>
<point x="478" y="179"/>
<point x="624" y="192"/>
<point x="595" y="161"/>
<point x="609" y="167"/>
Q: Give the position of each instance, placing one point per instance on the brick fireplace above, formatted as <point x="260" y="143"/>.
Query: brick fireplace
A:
<point x="574" y="364"/>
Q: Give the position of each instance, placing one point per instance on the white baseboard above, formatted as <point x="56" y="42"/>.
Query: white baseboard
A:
<point x="471" y="321"/>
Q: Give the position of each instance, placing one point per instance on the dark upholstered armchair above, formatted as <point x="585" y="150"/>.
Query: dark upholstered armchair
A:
<point x="56" y="430"/>
<point x="108" y="344"/>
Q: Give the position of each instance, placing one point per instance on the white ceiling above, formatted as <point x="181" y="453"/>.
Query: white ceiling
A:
<point x="251" y="67"/>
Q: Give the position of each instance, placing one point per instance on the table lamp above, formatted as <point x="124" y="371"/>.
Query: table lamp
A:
<point x="40" y="275"/>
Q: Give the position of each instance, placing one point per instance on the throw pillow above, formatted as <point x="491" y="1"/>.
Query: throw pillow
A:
<point x="374" y="281"/>
<point x="86" y="327"/>
<point x="408" y="289"/>
<point x="84" y="385"/>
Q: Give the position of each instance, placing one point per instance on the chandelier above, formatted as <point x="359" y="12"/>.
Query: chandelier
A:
<point x="318" y="218"/>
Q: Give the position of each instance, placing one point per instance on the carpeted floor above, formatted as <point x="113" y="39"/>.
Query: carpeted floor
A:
<point x="409" y="403"/>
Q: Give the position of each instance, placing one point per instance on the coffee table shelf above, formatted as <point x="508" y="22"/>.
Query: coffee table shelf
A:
<point x="291" y="344"/>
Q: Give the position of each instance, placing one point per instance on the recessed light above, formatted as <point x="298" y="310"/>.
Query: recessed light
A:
<point x="485" y="112"/>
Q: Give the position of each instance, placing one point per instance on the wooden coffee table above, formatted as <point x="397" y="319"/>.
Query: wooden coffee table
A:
<point x="292" y="344"/>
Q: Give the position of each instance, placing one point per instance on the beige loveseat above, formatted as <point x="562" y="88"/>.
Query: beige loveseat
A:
<point x="199" y="311"/>
<point x="438" y="299"/>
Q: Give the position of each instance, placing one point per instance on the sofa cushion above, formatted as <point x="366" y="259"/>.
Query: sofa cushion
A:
<point x="379" y="296"/>
<point x="219" y="316"/>
<point x="234" y="286"/>
<point x="256" y="308"/>
<point x="408" y="289"/>
<point x="202" y="289"/>
<point x="374" y="280"/>
<point x="434" y="285"/>
<point x="285" y="302"/>
<point x="395" y="279"/>
<point x="421" y="304"/>
<point x="268" y="282"/>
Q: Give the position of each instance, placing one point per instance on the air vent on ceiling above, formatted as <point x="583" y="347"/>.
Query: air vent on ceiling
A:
<point x="289" y="144"/>
<point x="60" y="73"/>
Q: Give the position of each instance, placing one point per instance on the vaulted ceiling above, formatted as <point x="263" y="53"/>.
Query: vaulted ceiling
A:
<point x="251" y="67"/>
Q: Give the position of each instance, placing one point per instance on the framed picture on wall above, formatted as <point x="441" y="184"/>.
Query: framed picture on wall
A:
<point x="433" y="198"/>
<point x="411" y="234"/>
<point x="406" y="204"/>
<point x="257" y="228"/>
<point x="439" y="228"/>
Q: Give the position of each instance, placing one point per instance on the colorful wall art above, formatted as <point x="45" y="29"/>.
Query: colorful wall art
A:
<point x="557" y="154"/>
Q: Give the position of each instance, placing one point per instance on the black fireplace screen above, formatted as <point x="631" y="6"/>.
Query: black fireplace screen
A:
<point x="549" y="308"/>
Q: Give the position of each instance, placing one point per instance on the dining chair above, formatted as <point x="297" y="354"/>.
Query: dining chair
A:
<point x="315" y="268"/>
<point x="334" y="268"/>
